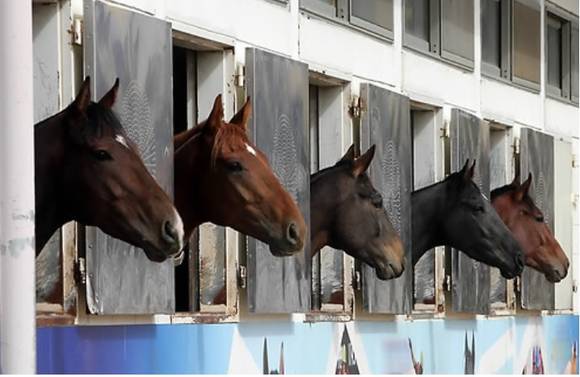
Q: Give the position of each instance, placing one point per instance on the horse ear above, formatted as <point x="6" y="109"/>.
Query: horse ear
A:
<point x="362" y="163"/>
<point x="522" y="190"/>
<point x="83" y="98"/>
<point x="468" y="172"/>
<point x="243" y="115"/>
<point x="349" y="155"/>
<point x="109" y="99"/>
<point x="516" y="181"/>
<point x="216" y="116"/>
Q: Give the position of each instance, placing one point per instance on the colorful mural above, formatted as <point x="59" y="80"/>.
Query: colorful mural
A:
<point x="504" y="345"/>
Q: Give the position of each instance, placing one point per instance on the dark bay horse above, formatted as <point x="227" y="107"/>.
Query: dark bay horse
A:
<point x="347" y="213"/>
<point x="455" y="213"/>
<point x="87" y="170"/>
<point x="518" y="211"/>
<point x="220" y="177"/>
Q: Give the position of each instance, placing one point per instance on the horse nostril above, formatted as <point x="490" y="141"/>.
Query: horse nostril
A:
<point x="170" y="233"/>
<point x="292" y="233"/>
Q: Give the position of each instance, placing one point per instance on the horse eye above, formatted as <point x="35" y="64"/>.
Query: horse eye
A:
<point x="540" y="219"/>
<point x="234" y="166"/>
<point x="479" y="209"/>
<point x="102" y="155"/>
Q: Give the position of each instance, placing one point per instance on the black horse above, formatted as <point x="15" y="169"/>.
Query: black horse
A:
<point x="455" y="213"/>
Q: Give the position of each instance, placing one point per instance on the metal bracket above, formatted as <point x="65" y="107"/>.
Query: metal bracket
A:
<point x="240" y="76"/>
<point x="76" y="32"/>
<point x="445" y="130"/>
<point x="447" y="283"/>
<point x="517" y="145"/>
<point x="81" y="270"/>
<point x="574" y="161"/>
<point x="355" y="107"/>
<point x="242" y="276"/>
<point x="356" y="280"/>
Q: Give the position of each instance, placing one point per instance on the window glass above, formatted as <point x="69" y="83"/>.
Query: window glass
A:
<point x="526" y="42"/>
<point x="377" y="12"/>
<point x="491" y="32"/>
<point x="417" y="18"/>
<point x="457" y="28"/>
<point x="574" y="58"/>
<point x="554" y="52"/>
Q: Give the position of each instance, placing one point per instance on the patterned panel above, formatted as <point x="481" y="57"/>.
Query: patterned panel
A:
<point x="279" y="127"/>
<point x="470" y="278"/>
<point x="137" y="49"/>
<point x="537" y="157"/>
<point x="386" y="123"/>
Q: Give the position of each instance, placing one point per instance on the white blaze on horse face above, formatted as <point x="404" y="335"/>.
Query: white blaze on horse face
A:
<point x="250" y="149"/>
<point x="121" y="140"/>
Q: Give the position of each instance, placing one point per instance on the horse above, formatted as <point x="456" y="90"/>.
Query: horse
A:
<point x="347" y="213"/>
<point x="455" y="213"/>
<point x="221" y="177"/>
<point x="525" y="220"/>
<point x="87" y="170"/>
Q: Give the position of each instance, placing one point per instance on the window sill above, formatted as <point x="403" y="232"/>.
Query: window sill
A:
<point x="309" y="13"/>
<point x="208" y="318"/>
<point x="463" y="67"/>
<point x="561" y="99"/>
<point x="502" y="80"/>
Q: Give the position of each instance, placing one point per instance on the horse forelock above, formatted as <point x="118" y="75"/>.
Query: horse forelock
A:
<point x="102" y="121"/>
<point x="229" y="138"/>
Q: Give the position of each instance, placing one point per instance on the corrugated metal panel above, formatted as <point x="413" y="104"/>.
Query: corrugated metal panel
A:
<point x="469" y="138"/>
<point x="279" y="127"/>
<point x="537" y="157"/>
<point x="137" y="49"/>
<point x="386" y="123"/>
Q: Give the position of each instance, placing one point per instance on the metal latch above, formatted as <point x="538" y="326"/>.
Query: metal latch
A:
<point x="574" y="161"/>
<point x="517" y="145"/>
<point x="242" y="276"/>
<point x="447" y="285"/>
<point x="357" y="281"/>
<point x="81" y="269"/>
<point x="76" y="32"/>
<point x="518" y="284"/>
<point x="445" y="131"/>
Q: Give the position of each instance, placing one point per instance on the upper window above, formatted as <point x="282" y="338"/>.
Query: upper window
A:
<point x="443" y="28"/>
<point x="375" y="16"/>
<point x="510" y="41"/>
<point x="561" y="58"/>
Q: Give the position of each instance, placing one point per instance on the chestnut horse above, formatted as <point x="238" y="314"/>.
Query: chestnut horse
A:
<point x="88" y="171"/>
<point x="221" y="177"/>
<point x="347" y="213"/>
<point x="455" y="213"/>
<point x="541" y="250"/>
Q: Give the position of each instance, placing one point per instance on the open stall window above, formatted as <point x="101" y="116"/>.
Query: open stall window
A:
<point x="537" y="157"/>
<point x="205" y="285"/>
<point x="373" y="16"/>
<point x="136" y="48"/>
<point x="501" y="170"/>
<point x="279" y="128"/>
<point x="427" y="169"/>
<point x="442" y="28"/>
<point x="55" y="266"/>
<point x="470" y="279"/>
<point x="563" y="219"/>
<point x="561" y="55"/>
<point x="332" y="291"/>
<point x="385" y="122"/>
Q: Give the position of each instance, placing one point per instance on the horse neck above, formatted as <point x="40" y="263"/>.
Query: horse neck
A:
<point x="320" y="214"/>
<point x="427" y="214"/>
<point x="51" y="207"/>
<point x="190" y="165"/>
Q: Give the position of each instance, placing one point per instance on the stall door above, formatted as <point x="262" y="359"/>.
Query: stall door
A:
<point x="137" y="49"/>
<point x="386" y="123"/>
<point x="537" y="157"/>
<point x="469" y="139"/>
<point x="278" y="87"/>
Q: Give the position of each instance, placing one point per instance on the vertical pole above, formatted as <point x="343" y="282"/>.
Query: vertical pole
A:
<point x="17" y="255"/>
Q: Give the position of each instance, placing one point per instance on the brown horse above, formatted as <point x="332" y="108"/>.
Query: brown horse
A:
<point x="347" y="213"/>
<point x="517" y="210"/>
<point x="88" y="171"/>
<point x="220" y="177"/>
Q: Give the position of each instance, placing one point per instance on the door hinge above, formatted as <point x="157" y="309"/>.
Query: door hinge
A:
<point x="81" y="271"/>
<point x="356" y="280"/>
<point x="445" y="132"/>
<point x="518" y="284"/>
<point x="242" y="277"/>
<point x="76" y="32"/>
<point x="355" y="107"/>
<point x="517" y="145"/>
<point x="447" y="284"/>
<point x="240" y="76"/>
<point x="574" y="162"/>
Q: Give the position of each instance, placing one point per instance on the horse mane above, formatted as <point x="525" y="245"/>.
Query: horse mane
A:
<point x="326" y="170"/>
<point x="227" y="136"/>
